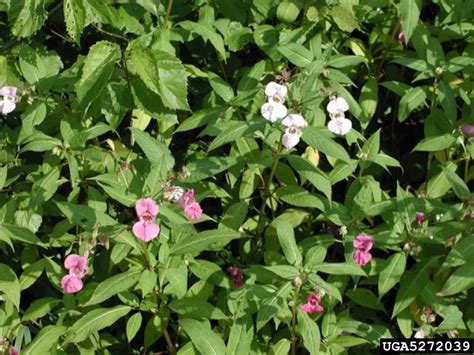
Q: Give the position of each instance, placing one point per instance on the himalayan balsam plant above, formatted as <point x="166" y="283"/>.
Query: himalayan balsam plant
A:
<point x="234" y="177"/>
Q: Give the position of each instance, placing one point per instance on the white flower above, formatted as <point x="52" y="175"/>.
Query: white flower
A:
<point x="294" y="124"/>
<point x="10" y="99"/>
<point x="174" y="193"/>
<point x="340" y="125"/>
<point x="274" y="108"/>
<point x="337" y="105"/>
<point x="420" y="334"/>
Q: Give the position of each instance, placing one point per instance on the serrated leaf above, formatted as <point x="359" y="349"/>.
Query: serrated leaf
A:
<point x="75" y="16"/>
<point x="27" y="16"/>
<point x="203" y="338"/>
<point x="44" y="341"/>
<point x="113" y="285"/>
<point x="94" y="321"/>
<point x="270" y="306"/>
<point x="154" y="150"/>
<point x="317" y="138"/>
<point x="98" y="67"/>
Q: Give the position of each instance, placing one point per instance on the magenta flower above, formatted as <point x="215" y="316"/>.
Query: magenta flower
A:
<point x="146" y="208"/>
<point x="146" y="230"/>
<point x="10" y="99"/>
<point x="76" y="264"/>
<point x="468" y="130"/>
<point x="401" y="37"/>
<point x="362" y="244"/>
<point x="237" y="276"/>
<point x="312" y="305"/>
<point x="420" y="218"/>
<point x="12" y="351"/>
<point x="71" y="283"/>
<point x="192" y="208"/>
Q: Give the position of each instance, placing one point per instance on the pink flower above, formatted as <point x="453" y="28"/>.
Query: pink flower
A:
<point x="192" y="208"/>
<point x="146" y="230"/>
<point x="237" y="276"/>
<point x="146" y="208"/>
<point x="401" y="37"/>
<point x="420" y="218"/>
<point x="71" y="283"/>
<point x="76" y="264"/>
<point x="468" y="130"/>
<point x="312" y="305"/>
<point x="362" y="244"/>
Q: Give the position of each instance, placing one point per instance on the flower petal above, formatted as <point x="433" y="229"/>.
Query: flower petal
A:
<point x="193" y="211"/>
<point x="273" y="89"/>
<point x="272" y="112"/>
<point x="340" y="126"/>
<point x="71" y="284"/>
<point x="146" y="207"/>
<point x="342" y="104"/>
<point x="8" y="91"/>
<point x="289" y="140"/>
<point x="7" y="106"/>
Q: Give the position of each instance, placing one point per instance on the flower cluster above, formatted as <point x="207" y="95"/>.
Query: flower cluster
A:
<point x="146" y="229"/>
<point x="237" y="276"/>
<point x="338" y="124"/>
<point x="10" y="98"/>
<point x="77" y="266"/>
<point x="312" y="305"/>
<point x="192" y="208"/>
<point x="275" y="109"/>
<point x="362" y="244"/>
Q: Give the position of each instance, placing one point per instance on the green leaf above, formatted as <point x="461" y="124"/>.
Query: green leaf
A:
<point x="133" y="326"/>
<point x="391" y="273"/>
<point x="462" y="253"/>
<point x="309" y="331"/>
<point x="20" y="234"/>
<point x="286" y="237"/>
<point x="297" y="196"/>
<point x="368" y="99"/>
<point x="27" y="16"/>
<point x="40" y="142"/>
<point x="282" y="347"/>
<point x="201" y="118"/>
<point x="412" y="284"/>
<point x="241" y="336"/>
<point x="433" y="144"/>
<point x="190" y="307"/>
<point x="40" y="308"/>
<point x="154" y="150"/>
<point x="339" y="268"/>
<point x="221" y="88"/>
<point x="233" y="131"/>
<point x="202" y="336"/>
<point x="365" y="298"/>
<point x="459" y="186"/>
<point x="203" y="168"/>
<point x="287" y="12"/>
<point x="164" y="74"/>
<point x="344" y="18"/>
<point x="320" y="140"/>
<point x="207" y="34"/>
<point x="210" y="272"/>
<point x="94" y="321"/>
<point x="10" y="285"/>
<point x="312" y="173"/>
<point x="461" y="279"/>
<point x="270" y="306"/>
<point x="45" y="340"/>
<point x="296" y="54"/>
<point x="37" y="64"/>
<point x="98" y="67"/>
<point x="75" y="16"/>
<point x="410" y="101"/>
<point x="410" y="14"/>
<point x="203" y="241"/>
<point x="113" y="285"/>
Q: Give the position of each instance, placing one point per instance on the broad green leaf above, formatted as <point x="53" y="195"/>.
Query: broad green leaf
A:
<point x="39" y="142"/>
<point x="433" y="144"/>
<point x="40" y="308"/>
<point x="210" y="273"/>
<point x="271" y="305"/>
<point x="458" y="185"/>
<point x="368" y="99"/>
<point x="319" y="139"/>
<point x="296" y="54"/>
<point x="164" y="74"/>
<point x="75" y="16"/>
<point x="113" y="285"/>
<point x="203" y="168"/>
<point x="282" y="347"/>
<point x="312" y="173"/>
<point x="94" y="321"/>
<point x="365" y="298"/>
<point x="462" y="253"/>
<point x="344" y="18"/>
<point x="201" y="118"/>
<point x="241" y="336"/>
<point x="410" y="101"/>
<point x="410" y="14"/>
<point x="390" y="275"/>
<point x="339" y="268"/>
<point x="207" y="34"/>
<point x="19" y="234"/>
<point x="98" y="67"/>
<point x="297" y="196"/>
<point x="411" y="284"/>
<point x="309" y="330"/>
<point x="221" y="88"/>
<point x="195" y="308"/>
<point x="202" y="336"/>
<point x="154" y="150"/>
<point x="10" y="285"/>
<point x="45" y="340"/>
<point x="233" y="131"/>
<point x="37" y="64"/>
<point x="27" y="16"/>
<point x="203" y="241"/>
<point x="133" y="326"/>
<point x="31" y="274"/>
<point x="286" y="236"/>
<point x="461" y="279"/>
<point x="287" y="12"/>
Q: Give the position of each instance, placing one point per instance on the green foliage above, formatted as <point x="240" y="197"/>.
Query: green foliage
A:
<point x="122" y="100"/>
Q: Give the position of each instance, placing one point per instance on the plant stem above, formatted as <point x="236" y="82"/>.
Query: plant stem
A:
<point x="167" y="15"/>
<point x="171" y="346"/>
<point x="293" y="321"/>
